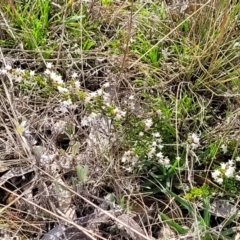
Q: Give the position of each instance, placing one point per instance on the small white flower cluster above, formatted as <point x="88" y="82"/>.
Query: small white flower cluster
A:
<point x="227" y="170"/>
<point x="59" y="81"/>
<point x="87" y="120"/>
<point x="56" y="78"/>
<point x="119" y="114"/>
<point x="130" y="103"/>
<point x="194" y="141"/>
<point x="65" y="106"/>
<point x="106" y="99"/>
<point x="99" y="93"/>
<point x="224" y="148"/>
<point x="155" y="151"/>
<point x="130" y="159"/>
<point x="77" y="83"/>
<point x="148" y="123"/>
<point x="16" y="74"/>
<point x="7" y="69"/>
<point x="19" y="73"/>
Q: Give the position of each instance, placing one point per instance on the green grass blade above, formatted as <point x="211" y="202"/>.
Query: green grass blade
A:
<point x="173" y="224"/>
<point x="182" y="201"/>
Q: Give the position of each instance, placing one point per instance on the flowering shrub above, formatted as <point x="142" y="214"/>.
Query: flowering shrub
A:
<point x="148" y="144"/>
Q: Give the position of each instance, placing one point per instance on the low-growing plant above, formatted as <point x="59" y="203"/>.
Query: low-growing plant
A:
<point x="138" y="98"/>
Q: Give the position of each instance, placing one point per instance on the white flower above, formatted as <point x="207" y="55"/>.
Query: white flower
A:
<point x="106" y="97"/>
<point x="99" y="92"/>
<point x="195" y="138"/>
<point x="156" y="135"/>
<point x="47" y="71"/>
<point x="74" y="75"/>
<point x="237" y="177"/>
<point x="49" y="65"/>
<point x="8" y="67"/>
<point x="18" y="79"/>
<point x="128" y="153"/>
<point x="93" y="94"/>
<point x="223" y="166"/>
<point x="159" y="155"/>
<point x="154" y="144"/>
<point x="67" y="103"/>
<point x="32" y="73"/>
<point x="216" y="174"/>
<point x="129" y="169"/>
<point x="77" y="84"/>
<point x="160" y="146"/>
<point x="131" y="97"/>
<point x="148" y="123"/>
<point x="235" y="45"/>
<point x="231" y="162"/>
<point x="151" y="152"/>
<point x="53" y="75"/>
<point x="219" y="180"/>
<point x="87" y="99"/>
<point x="58" y="79"/>
<point x="20" y="71"/>
<point x="194" y="146"/>
<point x="87" y="120"/>
<point x="230" y="172"/>
<point x="224" y="148"/>
<point x="237" y="159"/>
<point x="119" y="114"/>
<point x="62" y="109"/>
<point x="141" y="134"/>
<point x="62" y="90"/>
<point x="106" y="85"/>
<point x="129" y="156"/>
<point x="221" y="194"/>
<point x="3" y="71"/>
<point x="93" y="116"/>
<point x="21" y="128"/>
<point x="73" y="106"/>
<point x="166" y="162"/>
<point x="163" y="160"/>
<point x="194" y="141"/>
<point x="124" y="159"/>
<point x="84" y="121"/>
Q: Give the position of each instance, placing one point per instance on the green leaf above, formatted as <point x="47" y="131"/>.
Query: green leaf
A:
<point x="73" y="19"/>
<point x="182" y="201"/>
<point x="173" y="224"/>
<point x="82" y="173"/>
<point x="206" y="213"/>
<point x="75" y="148"/>
<point x="171" y="171"/>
